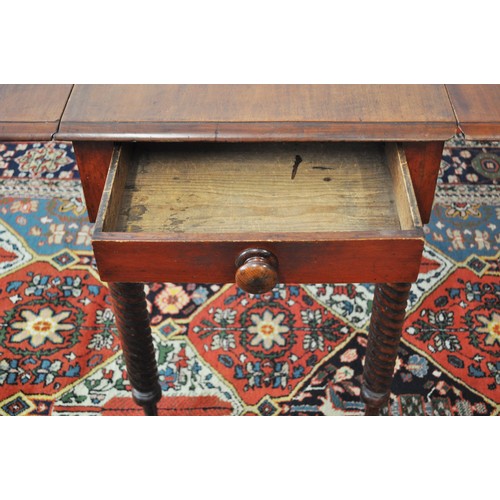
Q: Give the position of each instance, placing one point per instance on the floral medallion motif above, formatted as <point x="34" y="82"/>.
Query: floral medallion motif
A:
<point x="491" y="328"/>
<point x="459" y="326"/>
<point x="268" y="330"/>
<point x="49" y="337"/>
<point x="268" y="344"/>
<point x="44" y="160"/>
<point x="171" y="299"/>
<point x="168" y="300"/>
<point x="41" y="327"/>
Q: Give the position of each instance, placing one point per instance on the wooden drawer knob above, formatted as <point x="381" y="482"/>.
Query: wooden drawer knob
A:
<point x="257" y="270"/>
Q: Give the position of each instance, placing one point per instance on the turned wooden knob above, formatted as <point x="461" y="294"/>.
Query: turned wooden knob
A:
<point x="257" y="270"/>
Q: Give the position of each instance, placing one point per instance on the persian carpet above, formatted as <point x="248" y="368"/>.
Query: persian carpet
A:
<point x="295" y="351"/>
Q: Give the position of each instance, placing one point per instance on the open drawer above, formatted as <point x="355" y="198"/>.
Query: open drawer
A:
<point x="327" y="212"/>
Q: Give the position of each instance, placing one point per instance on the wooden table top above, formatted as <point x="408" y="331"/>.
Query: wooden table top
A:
<point x="31" y="112"/>
<point x="478" y="110"/>
<point x="257" y="112"/>
<point x="248" y="112"/>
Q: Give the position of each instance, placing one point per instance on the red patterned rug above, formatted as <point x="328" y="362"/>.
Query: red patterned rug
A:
<point x="295" y="351"/>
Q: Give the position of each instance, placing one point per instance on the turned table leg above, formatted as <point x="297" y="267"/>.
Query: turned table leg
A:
<point x="132" y="321"/>
<point x="388" y="315"/>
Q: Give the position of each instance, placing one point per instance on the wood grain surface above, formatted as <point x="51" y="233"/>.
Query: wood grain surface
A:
<point x="263" y="188"/>
<point x="348" y="258"/>
<point x="31" y="112"/>
<point x="93" y="160"/>
<point x="257" y="112"/>
<point x="424" y="160"/>
<point x="477" y="109"/>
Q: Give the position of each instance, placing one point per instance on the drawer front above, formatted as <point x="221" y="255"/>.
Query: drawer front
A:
<point x="342" y="261"/>
<point x="327" y="212"/>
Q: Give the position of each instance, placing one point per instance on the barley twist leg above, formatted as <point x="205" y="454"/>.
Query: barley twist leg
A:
<point x="132" y="321"/>
<point x="388" y="315"/>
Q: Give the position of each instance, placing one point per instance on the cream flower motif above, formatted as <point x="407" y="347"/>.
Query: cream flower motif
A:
<point x="100" y="341"/>
<point x="42" y="327"/>
<point x="74" y="205"/>
<point x="24" y="206"/>
<point x="267" y="329"/>
<point x="104" y="316"/>
<point x="225" y="316"/>
<point x="491" y="326"/>
<point x="224" y="341"/>
<point x="84" y="236"/>
<point x="56" y="234"/>
<point x="171" y="299"/>
<point x="313" y="342"/>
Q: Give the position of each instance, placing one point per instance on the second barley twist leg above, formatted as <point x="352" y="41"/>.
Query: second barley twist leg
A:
<point x="132" y="321"/>
<point x="388" y="316"/>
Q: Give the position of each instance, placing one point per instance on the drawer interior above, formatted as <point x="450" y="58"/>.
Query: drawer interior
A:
<point x="222" y="188"/>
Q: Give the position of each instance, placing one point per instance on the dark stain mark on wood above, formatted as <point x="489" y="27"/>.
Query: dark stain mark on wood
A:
<point x="175" y="224"/>
<point x="327" y="179"/>
<point x="324" y="168"/>
<point x="135" y="213"/>
<point x="298" y="161"/>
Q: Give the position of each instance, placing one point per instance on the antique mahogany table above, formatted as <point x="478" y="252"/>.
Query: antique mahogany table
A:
<point x="254" y="184"/>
